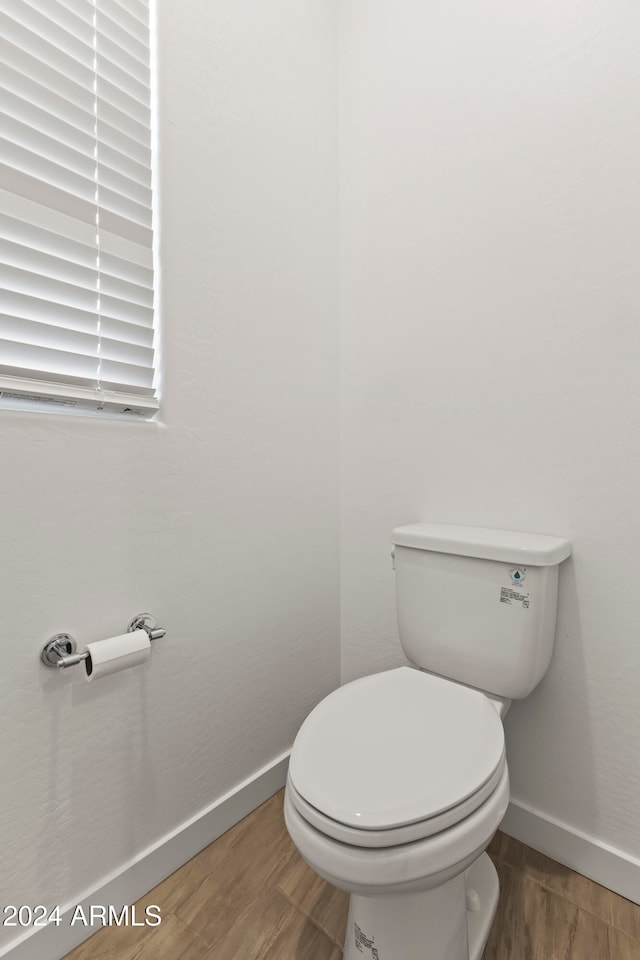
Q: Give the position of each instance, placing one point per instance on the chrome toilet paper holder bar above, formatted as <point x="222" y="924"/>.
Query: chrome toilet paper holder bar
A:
<point x="60" y="650"/>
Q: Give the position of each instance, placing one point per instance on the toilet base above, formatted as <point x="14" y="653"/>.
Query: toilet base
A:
<point x="481" y="878"/>
<point x="449" y="922"/>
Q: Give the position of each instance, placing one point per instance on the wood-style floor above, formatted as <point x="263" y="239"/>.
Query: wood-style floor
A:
<point x="249" y="896"/>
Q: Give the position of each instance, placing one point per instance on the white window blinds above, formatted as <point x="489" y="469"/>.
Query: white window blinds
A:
<point x="76" y="255"/>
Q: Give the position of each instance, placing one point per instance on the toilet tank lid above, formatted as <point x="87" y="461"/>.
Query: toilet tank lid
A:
<point x="535" y="549"/>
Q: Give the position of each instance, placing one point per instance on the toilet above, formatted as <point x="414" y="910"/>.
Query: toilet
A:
<point x="398" y="781"/>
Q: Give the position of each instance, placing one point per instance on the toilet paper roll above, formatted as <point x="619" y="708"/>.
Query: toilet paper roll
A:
<point x="117" y="653"/>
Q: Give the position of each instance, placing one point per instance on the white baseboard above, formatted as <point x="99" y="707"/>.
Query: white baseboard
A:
<point x="612" y="868"/>
<point x="150" y="867"/>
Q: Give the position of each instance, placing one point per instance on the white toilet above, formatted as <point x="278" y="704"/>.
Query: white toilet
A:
<point x="398" y="781"/>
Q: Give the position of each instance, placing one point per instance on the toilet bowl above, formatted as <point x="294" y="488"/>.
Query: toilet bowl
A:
<point x="396" y="785"/>
<point x="398" y="781"/>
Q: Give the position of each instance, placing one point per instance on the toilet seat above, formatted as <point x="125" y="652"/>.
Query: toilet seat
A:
<point x="407" y="867"/>
<point x="396" y="757"/>
<point x="394" y="836"/>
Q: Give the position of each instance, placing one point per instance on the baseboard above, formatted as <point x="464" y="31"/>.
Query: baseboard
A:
<point x="151" y="866"/>
<point x="612" y="868"/>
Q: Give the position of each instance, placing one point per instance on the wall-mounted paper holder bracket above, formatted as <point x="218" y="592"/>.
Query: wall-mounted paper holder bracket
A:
<point x="60" y="650"/>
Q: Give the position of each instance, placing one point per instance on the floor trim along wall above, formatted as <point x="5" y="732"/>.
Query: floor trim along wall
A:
<point x="606" y="865"/>
<point x="154" y="864"/>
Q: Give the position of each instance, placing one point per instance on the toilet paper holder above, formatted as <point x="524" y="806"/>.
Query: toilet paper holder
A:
<point x="60" y="650"/>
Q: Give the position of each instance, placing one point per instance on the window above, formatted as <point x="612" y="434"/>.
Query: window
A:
<point x="76" y="253"/>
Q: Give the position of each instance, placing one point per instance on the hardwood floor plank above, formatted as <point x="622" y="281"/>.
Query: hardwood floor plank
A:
<point x="536" y="923"/>
<point x="582" y="891"/>
<point x="325" y="905"/>
<point x="273" y="929"/>
<point x="622" y="947"/>
<point x="172" y="892"/>
<point x="254" y="929"/>
<point x="170" y="940"/>
<point x="549" y="873"/>
<point x="596" y="940"/>
<point x="175" y="941"/>
<point x="302" y="940"/>
<point x="531" y="923"/>
<point x="114" y="943"/>
<point x="248" y="866"/>
<point x="624" y="915"/>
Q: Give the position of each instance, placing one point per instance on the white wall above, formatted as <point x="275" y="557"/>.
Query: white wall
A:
<point x="222" y="519"/>
<point x="490" y="344"/>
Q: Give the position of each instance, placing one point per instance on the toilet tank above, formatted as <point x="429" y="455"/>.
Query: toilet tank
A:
<point x="478" y="605"/>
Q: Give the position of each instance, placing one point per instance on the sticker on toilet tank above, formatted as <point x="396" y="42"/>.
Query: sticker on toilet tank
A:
<point x="518" y="574"/>
<point x="363" y="942"/>
<point x="509" y="595"/>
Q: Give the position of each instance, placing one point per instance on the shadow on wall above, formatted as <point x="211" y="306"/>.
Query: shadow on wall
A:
<point x="102" y="783"/>
<point x="549" y="734"/>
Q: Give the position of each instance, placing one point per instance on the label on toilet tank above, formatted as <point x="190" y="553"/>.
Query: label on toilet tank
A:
<point x="511" y="595"/>
<point x="518" y="574"/>
<point x="363" y="942"/>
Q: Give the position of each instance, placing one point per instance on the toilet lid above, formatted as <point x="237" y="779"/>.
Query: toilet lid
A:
<point x="396" y="748"/>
